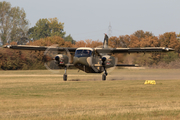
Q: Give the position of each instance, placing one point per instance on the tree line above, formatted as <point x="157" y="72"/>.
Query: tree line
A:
<point x="147" y="39"/>
<point x="15" y="59"/>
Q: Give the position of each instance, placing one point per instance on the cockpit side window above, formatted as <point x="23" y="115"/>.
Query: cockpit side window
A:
<point x="83" y="53"/>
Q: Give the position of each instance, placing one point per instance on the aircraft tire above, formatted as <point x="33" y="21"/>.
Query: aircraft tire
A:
<point x="65" y="77"/>
<point x="103" y="77"/>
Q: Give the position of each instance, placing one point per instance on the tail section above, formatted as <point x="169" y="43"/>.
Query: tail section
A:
<point x="105" y="44"/>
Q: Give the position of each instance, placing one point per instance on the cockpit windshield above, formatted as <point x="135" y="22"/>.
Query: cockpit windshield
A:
<point x="83" y="53"/>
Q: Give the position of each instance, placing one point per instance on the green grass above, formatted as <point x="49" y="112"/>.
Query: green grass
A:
<point x="45" y="96"/>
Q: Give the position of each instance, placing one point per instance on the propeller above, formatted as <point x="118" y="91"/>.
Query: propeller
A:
<point x="103" y="61"/>
<point x="54" y="60"/>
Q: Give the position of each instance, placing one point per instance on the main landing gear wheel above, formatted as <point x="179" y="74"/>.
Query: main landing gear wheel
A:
<point x="104" y="77"/>
<point x="65" y="74"/>
<point x="65" y="77"/>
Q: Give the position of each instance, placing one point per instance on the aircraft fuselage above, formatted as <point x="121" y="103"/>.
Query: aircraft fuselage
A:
<point x="86" y="60"/>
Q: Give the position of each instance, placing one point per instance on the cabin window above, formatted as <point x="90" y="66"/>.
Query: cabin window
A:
<point x="83" y="53"/>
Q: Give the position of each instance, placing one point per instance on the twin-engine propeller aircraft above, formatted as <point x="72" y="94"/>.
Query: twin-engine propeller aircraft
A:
<point x="89" y="60"/>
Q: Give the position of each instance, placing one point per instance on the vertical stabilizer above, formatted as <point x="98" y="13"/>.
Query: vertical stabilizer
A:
<point x="105" y="44"/>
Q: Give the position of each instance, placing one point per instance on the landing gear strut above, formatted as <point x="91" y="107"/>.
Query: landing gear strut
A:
<point x="104" y="74"/>
<point x="65" y="74"/>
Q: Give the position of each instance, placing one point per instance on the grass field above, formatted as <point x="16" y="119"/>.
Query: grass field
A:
<point x="38" y="94"/>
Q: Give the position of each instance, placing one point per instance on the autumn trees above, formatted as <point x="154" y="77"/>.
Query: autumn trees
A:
<point x="48" y="41"/>
<point x="13" y="23"/>
<point x="147" y="39"/>
<point x="11" y="59"/>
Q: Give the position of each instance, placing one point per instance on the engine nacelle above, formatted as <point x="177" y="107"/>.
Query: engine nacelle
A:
<point x="108" y="61"/>
<point x="61" y="59"/>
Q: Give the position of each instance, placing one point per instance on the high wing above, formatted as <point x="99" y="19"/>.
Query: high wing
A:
<point x="39" y="48"/>
<point x="98" y="50"/>
<point x="133" y="50"/>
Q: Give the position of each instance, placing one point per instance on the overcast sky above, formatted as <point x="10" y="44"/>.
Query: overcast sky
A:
<point x="90" y="19"/>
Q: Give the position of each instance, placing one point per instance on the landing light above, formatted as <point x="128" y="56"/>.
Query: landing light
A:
<point x="167" y="49"/>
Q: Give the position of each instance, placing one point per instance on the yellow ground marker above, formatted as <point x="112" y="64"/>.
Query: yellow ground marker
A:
<point x="153" y="82"/>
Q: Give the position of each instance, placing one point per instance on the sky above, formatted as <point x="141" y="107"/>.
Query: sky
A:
<point x="90" y="19"/>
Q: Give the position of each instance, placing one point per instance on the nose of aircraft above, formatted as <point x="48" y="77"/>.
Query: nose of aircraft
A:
<point x="80" y="60"/>
<point x="77" y="60"/>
